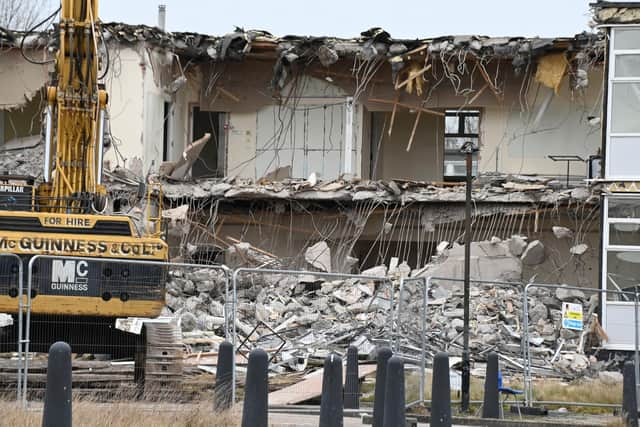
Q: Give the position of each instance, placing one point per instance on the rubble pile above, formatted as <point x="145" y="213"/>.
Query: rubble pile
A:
<point x="496" y="325"/>
<point x="301" y="319"/>
<point x="488" y="188"/>
<point x="22" y="160"/>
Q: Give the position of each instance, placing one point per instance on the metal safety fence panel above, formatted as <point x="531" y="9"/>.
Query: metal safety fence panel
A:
<point x="11" y="283"/>
<point x="100" y="306"/>
<point x="565" y="305"/>
<point x="423" y="325"/>
<point x="408" y="333"/>
<point x="299" y="317"/>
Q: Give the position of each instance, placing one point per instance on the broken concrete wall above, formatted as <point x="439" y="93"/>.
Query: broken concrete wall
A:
<point x="490" y="260"/>
<point x="21" y="96"/>
<point x="366" y="234"/>
<point x="572" y="260"/>
<point x="23" y="121"/>
<point x="136" y="109"/>
<point x="20" y="79"/>
<point x="519" y="124"/>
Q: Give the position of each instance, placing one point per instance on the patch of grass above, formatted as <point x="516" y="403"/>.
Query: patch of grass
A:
<point x="582" y="391"/>
<point x="91" y="414"/>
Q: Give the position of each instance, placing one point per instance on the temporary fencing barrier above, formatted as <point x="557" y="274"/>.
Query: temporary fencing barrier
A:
<point x="410" y="360"/>
<point x="297" y="273"/>
<point x="528" y="382"/>
<point x="426" y="285"/>
<point x="120" y="286"/>
<point x="15" y="275"/>
<point x="11" y="285"/>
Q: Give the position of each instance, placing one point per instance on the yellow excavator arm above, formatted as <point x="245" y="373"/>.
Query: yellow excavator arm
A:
<point x="75" y="116"/>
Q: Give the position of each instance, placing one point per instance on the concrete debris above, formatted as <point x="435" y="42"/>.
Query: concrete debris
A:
<point x="569" y="295"/>
<point x="610" y="377"/>
<point x="604" y="14"/>
<point x="307" y="317"/>
<point x="378" y="271"/>
<point x="579" y="249"/>
<point x="488" y="189"/>
<point x="179" y="169"/>
<point x="489" y="261"/>
<point x="246" y="255"/>
<point x="517" y="245"/>
<point x="20" y="160"/>
<point x="562" y="232"/>
<point x="319" y="256"/>
<point x="533" y="254"/>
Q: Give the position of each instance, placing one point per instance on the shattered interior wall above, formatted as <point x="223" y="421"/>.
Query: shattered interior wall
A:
<point x="304" y="133"/>
<point x="521" y="136"/>
<point x="20" y="80"/>
<point x="179" y="118"/>
<point x="125" y="84"/>
<point x="153" y="117"/>
<point x="244" y="72"/>
<point x="21" y="96"/>
<point x="23" y="121"/>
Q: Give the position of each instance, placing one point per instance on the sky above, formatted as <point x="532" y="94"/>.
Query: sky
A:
<point x="347" y="18"/>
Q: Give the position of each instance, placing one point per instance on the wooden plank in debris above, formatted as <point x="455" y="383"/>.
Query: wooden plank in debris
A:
<point x="413" y="131"/>
<point x="310" y="388"/>
<point x="228" y="94"/>
<point x="210" y="359"/>
<point x="478" y="93"/>
<point x="413" y="75"/>
<point x="487" y="79"/>
<point x="393" y="116"/>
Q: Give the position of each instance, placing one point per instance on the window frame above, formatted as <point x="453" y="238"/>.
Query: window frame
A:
<point x="611" y="80"/>
<point x="461" y="115"/>
<point x="608" y="247"/>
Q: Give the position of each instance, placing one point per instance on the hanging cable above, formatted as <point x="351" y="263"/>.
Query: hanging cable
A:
<point x="31" y="31"/>
<point x="106" y="49"/>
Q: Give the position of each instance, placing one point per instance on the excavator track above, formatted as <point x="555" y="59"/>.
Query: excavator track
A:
<point x="159" y="361"/>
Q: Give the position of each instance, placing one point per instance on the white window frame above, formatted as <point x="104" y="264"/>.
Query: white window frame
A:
<point x="348" y="142"/>
<point x="1" y="127"/>
<point x="608" y="247"/>
<point x="611" y="79"/>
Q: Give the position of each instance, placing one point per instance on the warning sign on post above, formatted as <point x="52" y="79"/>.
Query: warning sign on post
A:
<point x="572" y="316"/>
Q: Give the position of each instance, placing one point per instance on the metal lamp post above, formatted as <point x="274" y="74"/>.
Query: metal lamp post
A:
<point x="467" y="149"/>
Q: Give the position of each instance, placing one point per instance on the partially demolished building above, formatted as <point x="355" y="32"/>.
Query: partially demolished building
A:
<point x="354" y="143"/>
<point x="344" y="155"/>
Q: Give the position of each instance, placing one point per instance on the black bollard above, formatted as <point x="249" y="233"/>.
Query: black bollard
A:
<point x="629" y="402"/>
<point x="57" y="395"/>
<point x="384" y="354"/>
<point x="491" y="405"/>
<point x="352" y="380"/>
<point x="440" y="392"/>
<point x="224" y="378"/>
<point x="256" y="390"/>
<point x="331" y="412"/>
<point x="394" y="409"/>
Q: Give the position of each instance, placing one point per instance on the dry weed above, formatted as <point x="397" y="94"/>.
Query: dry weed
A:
<point x="583" y="391"/>
<point x="138" y="414"/>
